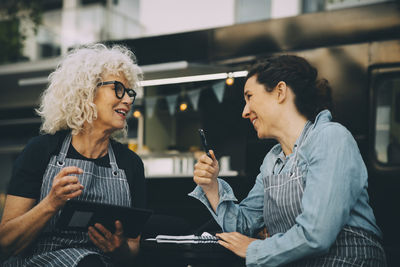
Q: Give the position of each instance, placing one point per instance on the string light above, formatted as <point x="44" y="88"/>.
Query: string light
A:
<point x="230" y="80"/>
<point x="137" y="114"/>
<point x="183" y="106"/>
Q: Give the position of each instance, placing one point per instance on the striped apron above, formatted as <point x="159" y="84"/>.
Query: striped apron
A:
<point x="282" y="204"/>
<point x="101" y="185"/>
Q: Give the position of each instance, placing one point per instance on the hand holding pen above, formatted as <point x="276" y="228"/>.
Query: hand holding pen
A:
<point x="206" y="171"/>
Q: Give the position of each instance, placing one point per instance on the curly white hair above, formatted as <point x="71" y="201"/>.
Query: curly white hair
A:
<point x="67" y="103"/>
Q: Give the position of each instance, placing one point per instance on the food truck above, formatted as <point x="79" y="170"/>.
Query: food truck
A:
<point x="195" y="80"/>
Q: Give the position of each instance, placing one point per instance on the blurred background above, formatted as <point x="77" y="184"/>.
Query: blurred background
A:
<point x="194" y="55"/>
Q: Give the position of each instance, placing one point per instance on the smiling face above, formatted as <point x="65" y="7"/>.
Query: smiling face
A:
<point x="261" y="107"/>
<point x="111" y="111"/>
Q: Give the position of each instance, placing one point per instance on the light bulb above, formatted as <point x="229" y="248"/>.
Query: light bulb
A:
<point x="183" y="106"/>
<point x="229" y="81"/>
<point x="137" y="114"/>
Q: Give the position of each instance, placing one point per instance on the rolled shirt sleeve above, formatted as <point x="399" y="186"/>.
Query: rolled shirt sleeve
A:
<point x="246" y="217"/>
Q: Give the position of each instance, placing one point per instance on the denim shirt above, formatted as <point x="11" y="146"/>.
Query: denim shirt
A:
<point x="335" y="195"/>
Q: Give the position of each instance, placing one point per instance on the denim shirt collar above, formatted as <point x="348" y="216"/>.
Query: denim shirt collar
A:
<point x="323" y="116"/>
<point x="277" y="152"/>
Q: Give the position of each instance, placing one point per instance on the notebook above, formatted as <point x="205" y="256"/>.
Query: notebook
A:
<point x="186" y="239"/>
<point x="78" y="215"/>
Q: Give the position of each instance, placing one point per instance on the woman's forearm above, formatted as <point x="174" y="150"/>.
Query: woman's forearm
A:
<point x="23" y="221"/>
<point x="18" y="233"/>
<point x="212" y="194"/>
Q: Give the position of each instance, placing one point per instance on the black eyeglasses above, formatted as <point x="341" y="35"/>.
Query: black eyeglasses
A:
<point x="120" y="90"/>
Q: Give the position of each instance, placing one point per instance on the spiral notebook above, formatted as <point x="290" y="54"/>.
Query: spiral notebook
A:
<point x="186" y="239"/>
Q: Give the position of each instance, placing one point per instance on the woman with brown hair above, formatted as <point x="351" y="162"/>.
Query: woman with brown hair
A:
<point x="311" y="192"/>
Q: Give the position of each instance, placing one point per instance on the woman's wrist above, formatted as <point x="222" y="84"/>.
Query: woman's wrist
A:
<point x="211" y="188"/>
<point x="48" y="206"/>
<point x="212" y="194"/>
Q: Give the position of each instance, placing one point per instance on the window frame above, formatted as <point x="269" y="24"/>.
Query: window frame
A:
<point x="377" y="74"/>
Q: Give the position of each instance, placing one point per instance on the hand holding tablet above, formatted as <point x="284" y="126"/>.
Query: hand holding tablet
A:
<point x="78" y="215"/>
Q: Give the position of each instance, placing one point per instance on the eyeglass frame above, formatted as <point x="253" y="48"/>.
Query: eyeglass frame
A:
<point x="126" y="90"/>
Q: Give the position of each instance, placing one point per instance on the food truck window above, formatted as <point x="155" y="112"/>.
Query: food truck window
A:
<point x="387" y="118"/>
<point x="172" y="115"/>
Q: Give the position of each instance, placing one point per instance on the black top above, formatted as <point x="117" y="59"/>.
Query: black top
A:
<point x="29" y="167"/>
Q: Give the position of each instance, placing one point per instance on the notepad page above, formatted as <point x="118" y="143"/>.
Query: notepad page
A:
<point x="203" y="238"/>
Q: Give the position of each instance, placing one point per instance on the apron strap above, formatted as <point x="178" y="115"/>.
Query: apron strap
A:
<point x="64" y="150"/>
<point x="303" y="136"/>
<point x="113" y="161"/>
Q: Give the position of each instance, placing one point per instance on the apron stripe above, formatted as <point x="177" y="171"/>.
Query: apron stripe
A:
<point x="283" y="193"/>
<point x="353" y="247"/>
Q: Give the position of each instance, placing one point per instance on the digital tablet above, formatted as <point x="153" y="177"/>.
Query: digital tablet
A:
<point x="78" y="215"/>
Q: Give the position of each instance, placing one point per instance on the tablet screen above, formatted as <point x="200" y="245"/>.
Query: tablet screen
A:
<point x="80" y="218"/>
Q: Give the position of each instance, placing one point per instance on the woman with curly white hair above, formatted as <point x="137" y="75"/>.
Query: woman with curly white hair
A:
<point x="76" y="157"/>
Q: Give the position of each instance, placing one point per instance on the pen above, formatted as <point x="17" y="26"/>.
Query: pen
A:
<point x="204" y="142"/>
